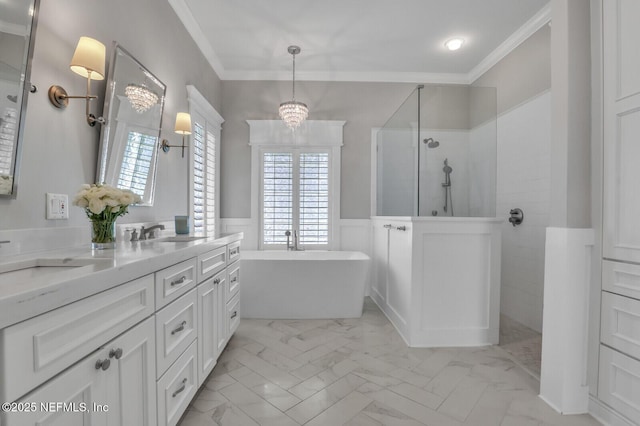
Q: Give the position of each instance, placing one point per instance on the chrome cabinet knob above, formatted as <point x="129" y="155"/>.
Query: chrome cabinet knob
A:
<point x="117" y="353"/>
<point x="216" y="281"/>
<point x="103" y="364"/>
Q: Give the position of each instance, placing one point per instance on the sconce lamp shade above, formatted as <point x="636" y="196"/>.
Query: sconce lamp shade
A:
<point x="183" y="123"/>
<point x="89" y="58"/>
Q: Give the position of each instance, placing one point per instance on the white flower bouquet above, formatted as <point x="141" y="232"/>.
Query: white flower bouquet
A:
<point x="103" y="204"/>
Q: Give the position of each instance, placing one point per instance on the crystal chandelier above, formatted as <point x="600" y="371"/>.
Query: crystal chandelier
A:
<point x="141" y="98"/>
<point x="292" y="112"/>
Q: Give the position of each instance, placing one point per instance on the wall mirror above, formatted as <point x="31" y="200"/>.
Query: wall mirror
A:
<point x="17" y="34"/>
<point x="133" y="105"/>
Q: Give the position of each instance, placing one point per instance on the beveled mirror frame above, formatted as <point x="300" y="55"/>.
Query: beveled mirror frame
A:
<point x="25" y="89"/>
<point x="106" y="162"/>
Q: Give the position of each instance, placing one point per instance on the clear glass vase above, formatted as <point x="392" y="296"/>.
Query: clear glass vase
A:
<point x="103" y="234"/>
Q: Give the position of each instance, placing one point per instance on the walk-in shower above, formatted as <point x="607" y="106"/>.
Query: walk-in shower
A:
<point x="438" y="132"/>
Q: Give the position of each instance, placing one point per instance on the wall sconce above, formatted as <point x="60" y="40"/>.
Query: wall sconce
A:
<point x="88" y="61"/>
<point x="183" y="127"/>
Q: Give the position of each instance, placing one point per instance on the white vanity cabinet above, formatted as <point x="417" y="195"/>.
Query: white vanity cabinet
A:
<point x="113" y="386"/>
<point x="157" y="339"/>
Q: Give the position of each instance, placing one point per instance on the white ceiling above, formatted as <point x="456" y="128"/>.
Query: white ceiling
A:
<point x="358" y="40"/>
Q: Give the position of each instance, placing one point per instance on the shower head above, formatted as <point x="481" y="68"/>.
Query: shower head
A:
<point x="447" y="168"/>
<point x="431" y="143"/>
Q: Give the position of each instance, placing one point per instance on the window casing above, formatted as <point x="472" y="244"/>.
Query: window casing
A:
<point x="204" y="174"/>
<point x="304" y="193"/>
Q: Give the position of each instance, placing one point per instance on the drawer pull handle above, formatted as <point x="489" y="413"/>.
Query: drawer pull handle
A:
<point x="180" y="281"/>
<point x="233" y="252"/>
<point x="216" y="281"/>
<point x="235" y="313"/>
<point x="117" y="353"/>
<point x="234" y="279"/>
<point x="401" y="228"/>
<point x="389" y="226"/>
<point x="181" y="388"/>
<point x="103" y="364"/>
<point x="179" y="328"/>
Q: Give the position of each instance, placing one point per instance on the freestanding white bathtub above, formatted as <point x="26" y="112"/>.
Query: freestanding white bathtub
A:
<point x="303" y="284"/>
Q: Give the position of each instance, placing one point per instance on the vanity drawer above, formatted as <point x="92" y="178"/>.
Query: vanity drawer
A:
<point x="234" y="281"/>
<point x="234" y="251"/>
<point x="621" y="278"/>
<point x="174" y="281"/>
<point x="619" y="381"/>
<point x="233" y="318"/>
<point x="177" y="387"/>
<point x="176" y="328"/>
<point x="35" y="350"/>
<point x="621" y="323"/>
<point x="211" y="262"/>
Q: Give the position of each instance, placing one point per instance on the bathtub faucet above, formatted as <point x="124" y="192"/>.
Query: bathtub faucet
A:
<point x="295" y="241"/>
<point x="293" y="246"/>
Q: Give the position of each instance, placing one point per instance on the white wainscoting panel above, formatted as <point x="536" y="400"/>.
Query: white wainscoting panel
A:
<point x="563" y="378"/>
<point x="245" y="225"/>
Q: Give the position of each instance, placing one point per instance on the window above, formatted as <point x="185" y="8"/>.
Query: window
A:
<point x="295" y="184"/>
<point x="295" y="196"/>
<point x="204" y="173"/>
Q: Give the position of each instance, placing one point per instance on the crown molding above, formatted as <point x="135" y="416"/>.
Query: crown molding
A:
<point x="537" y="21"/>
<point x="350" y="76"/>
<point x="542" y="17"/>
<point x="193" y="28"/>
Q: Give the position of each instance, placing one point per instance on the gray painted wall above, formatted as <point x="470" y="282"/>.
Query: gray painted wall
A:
<point x="60" y="150"/>
<point x="521" y="75"/>
<point x="363" y="105"/>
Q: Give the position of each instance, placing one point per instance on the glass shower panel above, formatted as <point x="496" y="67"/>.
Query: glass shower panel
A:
<point x="397" y="171"/>
<point x="437" y="154"/>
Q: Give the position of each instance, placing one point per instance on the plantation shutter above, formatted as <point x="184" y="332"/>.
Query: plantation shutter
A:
<point x="277" y="199"/>
<point x="210" y="184"/>
<point x="314" y="198"/>
<point x="199" y="179"/>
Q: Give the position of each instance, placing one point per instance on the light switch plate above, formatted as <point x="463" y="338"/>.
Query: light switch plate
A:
<point x="57" y="206"/>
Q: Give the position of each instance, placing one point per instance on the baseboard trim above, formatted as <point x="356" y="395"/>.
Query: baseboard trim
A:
<point x="605" y="414"/>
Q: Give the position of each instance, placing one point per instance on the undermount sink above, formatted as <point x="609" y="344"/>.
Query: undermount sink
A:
<point x="178" y="239"/>
<point x="26" y="270"/>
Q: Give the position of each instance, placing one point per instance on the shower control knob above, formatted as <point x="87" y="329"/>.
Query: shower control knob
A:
<point x="517" y="216"/>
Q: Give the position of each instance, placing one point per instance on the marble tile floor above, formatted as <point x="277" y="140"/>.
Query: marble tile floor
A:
<point x="522" y="343"/>
<point x="359" y="372"/>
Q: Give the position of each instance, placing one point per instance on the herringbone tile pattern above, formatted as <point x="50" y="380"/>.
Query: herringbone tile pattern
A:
<point x="359" y="372"/>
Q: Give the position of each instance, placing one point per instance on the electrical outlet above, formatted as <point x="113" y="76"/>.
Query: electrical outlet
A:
<point x="57" y="206"/>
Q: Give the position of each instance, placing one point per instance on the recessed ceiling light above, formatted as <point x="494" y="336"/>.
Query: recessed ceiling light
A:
<point x="454" y="43"/>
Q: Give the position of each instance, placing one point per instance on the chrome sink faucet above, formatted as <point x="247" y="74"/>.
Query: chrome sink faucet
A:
<point x="149" y="231"/>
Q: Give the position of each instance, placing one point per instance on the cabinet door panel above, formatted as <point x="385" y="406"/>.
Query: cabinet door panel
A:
<point x="80" y="386"/>
<point x="207" y="347"/>
<point x="221" y="315"/>
<point x="132" y="386"/>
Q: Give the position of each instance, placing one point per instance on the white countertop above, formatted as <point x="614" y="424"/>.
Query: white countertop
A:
<point x="21" y="299"/>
